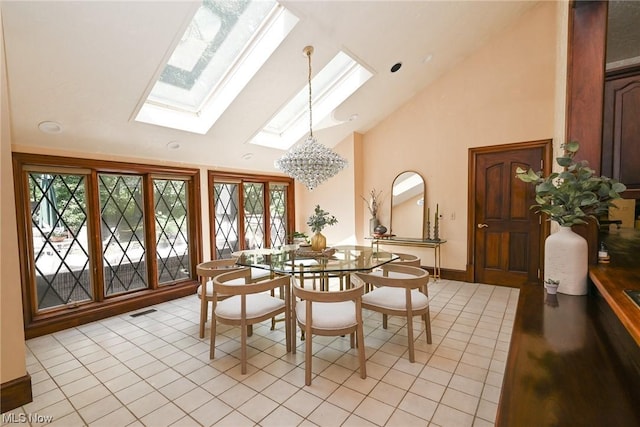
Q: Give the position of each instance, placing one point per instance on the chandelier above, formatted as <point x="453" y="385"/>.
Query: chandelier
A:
<point x="310" y="162"/>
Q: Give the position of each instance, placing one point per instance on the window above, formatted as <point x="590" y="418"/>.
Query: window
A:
<point x="101" y="234"/>
<point x="59" y="241"/>
<point x="249" y="212"/>
<point x="224" y="46"/>
<point x="172" y="230"/>
<point x="122" y="233"/>
<point x="336" y="82"/>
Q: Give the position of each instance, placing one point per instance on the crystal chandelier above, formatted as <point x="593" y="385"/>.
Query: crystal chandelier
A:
<point x="310" y="162"/>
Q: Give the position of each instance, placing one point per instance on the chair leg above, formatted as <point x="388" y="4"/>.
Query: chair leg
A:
<point x="212" y="344"/>
<point x="293" y="331"/>
<point x="273" y="319"/>
<point x="308" y="349"/>
<point x="203" y="313"/>
<point x="361" y="354"/>
<point x="384" y="321"/>
<point x="412" y="357"/>
<point x="427" y="326"/>
<point x="243" y="348"/>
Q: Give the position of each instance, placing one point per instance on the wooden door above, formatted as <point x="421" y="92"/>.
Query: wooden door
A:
<point x="506" y="234"/>
<point x="621" y="130"/>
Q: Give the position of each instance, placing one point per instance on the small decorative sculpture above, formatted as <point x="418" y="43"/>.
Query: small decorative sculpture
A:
<point x="436" y="228"/>
<point x="380" y="230"/>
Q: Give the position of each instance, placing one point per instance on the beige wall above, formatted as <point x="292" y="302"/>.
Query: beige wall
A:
<point x="510" y="90"/>
<point x="505" y="92"/>
<point x="335" y="196"/>
<point x="12" y="347"/>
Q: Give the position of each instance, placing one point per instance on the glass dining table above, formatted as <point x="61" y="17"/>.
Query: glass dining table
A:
<point x="303" y="263"/>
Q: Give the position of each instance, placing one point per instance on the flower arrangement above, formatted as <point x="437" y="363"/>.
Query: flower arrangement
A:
<point x="373" y="202"/>
<point x="320" y="219"/>
<point x="299" y="236"/>
<point x="576" y="193"/>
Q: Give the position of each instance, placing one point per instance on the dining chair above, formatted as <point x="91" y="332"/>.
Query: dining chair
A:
<point x="206" y="271"/>
<point x="404" y="259"/>
<point x="331" y="313"/>
<point x="400" y="290"/>
<point x="407" y="259"/>
<point x="247" y="305"/>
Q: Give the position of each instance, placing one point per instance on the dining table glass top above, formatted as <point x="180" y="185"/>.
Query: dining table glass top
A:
<point x="292" y="259"/>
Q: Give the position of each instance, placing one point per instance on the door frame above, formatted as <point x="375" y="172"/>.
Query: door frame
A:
<point x="474" y="152"/>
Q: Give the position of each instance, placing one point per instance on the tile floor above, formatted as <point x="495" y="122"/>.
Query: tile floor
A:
<point x="153" y="370"/>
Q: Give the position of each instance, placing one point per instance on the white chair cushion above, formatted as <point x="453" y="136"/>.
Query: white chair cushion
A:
<point x="210" y="286"/>
<point x="257" y="305"/>
<point x="259" y="273"/>
<point x="392" y="274"/>
<point x="328" y="315"/>
<point x="395" y="298"/>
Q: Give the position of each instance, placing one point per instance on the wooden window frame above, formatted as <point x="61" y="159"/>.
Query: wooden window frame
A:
<point x="37" y="324"/>
<point x="240" y="178"/>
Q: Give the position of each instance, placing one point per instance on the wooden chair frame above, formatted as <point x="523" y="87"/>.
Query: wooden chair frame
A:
<point x="208" y="271"/>
<point x="309" y="297"/>
<point x="419" y="280"/>
<point x="243" y="321"/>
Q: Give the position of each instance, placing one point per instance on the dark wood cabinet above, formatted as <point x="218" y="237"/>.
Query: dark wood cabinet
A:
<point x="621" y="129"/>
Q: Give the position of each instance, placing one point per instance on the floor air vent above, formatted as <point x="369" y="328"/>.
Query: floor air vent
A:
<point x="142" y="313"/>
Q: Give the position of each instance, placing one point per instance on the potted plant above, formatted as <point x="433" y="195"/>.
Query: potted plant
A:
<point x="551" y="285"/>
<point x="299" y="237"/>
<point x="570" y="197"/>
<point x="318" y="221"/>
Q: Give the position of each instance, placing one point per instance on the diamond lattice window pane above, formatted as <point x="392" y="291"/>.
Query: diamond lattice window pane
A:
<point x="122" y="230"/>
<point x="226" y="219"/>
<point x="60" y="245"/>
<point x="278" y="214"/>
<point x="172" y="230"/>
<point x="254" y="215"/>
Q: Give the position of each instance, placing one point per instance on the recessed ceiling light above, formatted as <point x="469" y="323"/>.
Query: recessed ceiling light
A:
<point x="247" y="156"/>
<point x="173" y="145"/>
<point x="50" y="127"/>
<point x="427" y="58"/>
<point x="353" y="117"/>
<point x="396" y="67"/>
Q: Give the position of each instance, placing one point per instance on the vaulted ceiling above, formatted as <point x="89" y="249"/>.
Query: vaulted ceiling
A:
<point x="90" y="65"/>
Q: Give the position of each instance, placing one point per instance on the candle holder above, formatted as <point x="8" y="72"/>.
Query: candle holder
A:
<point x="436" y="229"/>
<point x="428" y="229"/>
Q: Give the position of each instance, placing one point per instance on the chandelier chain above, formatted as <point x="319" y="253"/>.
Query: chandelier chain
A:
<point x="310" y="109"/>
<point x="311" y="162"/>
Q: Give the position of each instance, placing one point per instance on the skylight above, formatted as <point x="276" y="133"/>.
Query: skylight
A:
<point x="338" y="80"/>
<point x="224" y="46"/>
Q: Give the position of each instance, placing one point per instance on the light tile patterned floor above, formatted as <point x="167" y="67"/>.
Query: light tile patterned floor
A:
<point x="153" y="370"/>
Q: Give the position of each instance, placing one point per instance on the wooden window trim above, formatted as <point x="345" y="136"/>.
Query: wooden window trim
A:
<point x="100" y="308"/>
<point x="214" y="177"/>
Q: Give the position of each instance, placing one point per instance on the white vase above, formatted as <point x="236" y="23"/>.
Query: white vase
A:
<point x="566" y="260"/>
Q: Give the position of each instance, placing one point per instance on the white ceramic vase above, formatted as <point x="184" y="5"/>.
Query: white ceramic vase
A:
<point x="566" y="260"/>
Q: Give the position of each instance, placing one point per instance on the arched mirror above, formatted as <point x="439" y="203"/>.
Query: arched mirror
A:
<point x="408" y="201"/>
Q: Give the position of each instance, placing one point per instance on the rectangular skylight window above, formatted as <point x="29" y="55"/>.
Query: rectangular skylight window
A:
<point x="225" y="44"/>
<point x="338" y="80"/>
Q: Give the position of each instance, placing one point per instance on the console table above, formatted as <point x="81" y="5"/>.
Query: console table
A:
<point x="408" y="241"/>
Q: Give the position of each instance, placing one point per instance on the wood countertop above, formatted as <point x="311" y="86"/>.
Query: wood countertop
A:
<point x="575" y="360"/>
<point x="611" y="283"/>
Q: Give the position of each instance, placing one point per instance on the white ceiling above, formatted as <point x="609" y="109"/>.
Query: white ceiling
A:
<point x="89" y="66"/>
